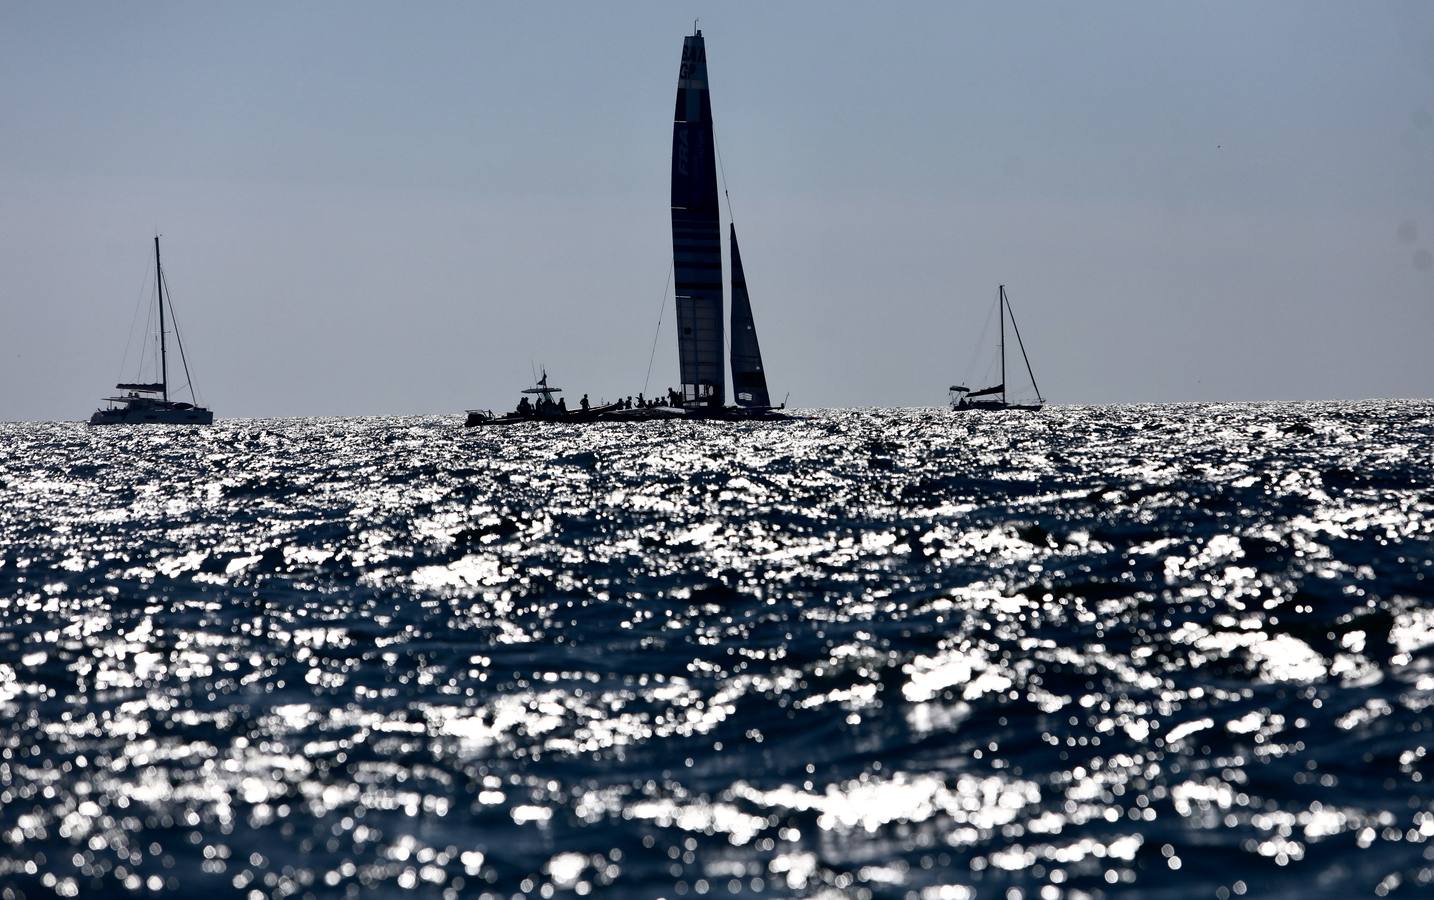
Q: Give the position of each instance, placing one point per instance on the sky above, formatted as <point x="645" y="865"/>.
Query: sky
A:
<point x="385" y="209"/>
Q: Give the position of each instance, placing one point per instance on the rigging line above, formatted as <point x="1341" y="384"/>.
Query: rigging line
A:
<point x="717" y="145"/>
<point x="179" y="338"/>
<point x="148" y="337"/>
<point x="732" y="220"/>
<point x="661" y="309"/>
<point x="1022" y="345"/>
<point x="976" y="349"/>
<point x="133" y="319"/>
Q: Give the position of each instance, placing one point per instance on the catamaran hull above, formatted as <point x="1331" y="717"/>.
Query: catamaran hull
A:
<point x="152" y="417"/>
<point x="478" y="419"/>
<point x="698" y="414"/>
<point x="739" y="414"/>
<point x="993" y="406"/>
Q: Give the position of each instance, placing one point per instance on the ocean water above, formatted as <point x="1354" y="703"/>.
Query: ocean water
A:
<point x="1161" y="651"/>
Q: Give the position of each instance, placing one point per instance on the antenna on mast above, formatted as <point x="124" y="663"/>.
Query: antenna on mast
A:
<point x="695" y="29"/>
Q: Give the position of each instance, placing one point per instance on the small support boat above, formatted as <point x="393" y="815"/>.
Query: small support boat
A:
<point x="543" y="409"/>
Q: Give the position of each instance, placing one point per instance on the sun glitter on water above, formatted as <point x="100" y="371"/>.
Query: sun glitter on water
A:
<point x="1173" y="650"/>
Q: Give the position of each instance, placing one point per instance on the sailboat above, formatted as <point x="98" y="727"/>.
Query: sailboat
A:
<point x="148" y="402"/>
<point x="697" y="280"/>
<point x="697" y="264"/>
<point x="964" y="399"/>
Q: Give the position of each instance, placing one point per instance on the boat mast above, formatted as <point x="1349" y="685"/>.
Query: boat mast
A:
<point x="1000" y="304"/>
<point x="159" y="291"/>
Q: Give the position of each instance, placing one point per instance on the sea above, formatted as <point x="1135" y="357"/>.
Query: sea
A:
<point x="1151" y="651"/>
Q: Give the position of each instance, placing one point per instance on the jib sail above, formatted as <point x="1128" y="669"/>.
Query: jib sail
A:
<point x="749" y="381"/>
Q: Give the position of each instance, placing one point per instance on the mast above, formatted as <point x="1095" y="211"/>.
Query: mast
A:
<point x="159" y="291"/>
<point x="696" y="233"/>
<point x="1001" y="310"/>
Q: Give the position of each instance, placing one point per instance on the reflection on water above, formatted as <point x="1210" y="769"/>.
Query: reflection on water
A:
<point x="1187" y="651"/>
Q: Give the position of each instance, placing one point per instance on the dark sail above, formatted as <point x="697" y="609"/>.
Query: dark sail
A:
<point x="696" y="232"/>
<point x="749" y="381"/>
<point x="147" y="387"/>
<point x="986" y="392"/>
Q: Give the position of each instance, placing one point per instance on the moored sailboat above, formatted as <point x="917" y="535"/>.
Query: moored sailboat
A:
<point x="997" y="397"/>
<point x="148" y="403"/>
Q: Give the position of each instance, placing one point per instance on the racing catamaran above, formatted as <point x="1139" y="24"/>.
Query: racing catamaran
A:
<point x="697" y="281"/>
<point x="697" y="264"/>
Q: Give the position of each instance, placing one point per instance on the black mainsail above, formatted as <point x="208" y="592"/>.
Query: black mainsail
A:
<point x="696" y="233"/>
<point x="749" y="382"/>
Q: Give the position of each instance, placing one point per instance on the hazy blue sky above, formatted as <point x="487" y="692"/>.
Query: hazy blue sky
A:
<point x="397" y="208"/>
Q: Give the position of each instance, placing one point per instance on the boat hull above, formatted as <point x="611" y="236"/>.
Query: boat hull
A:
<point x="479" y="419"/>
<point x="153" y="416"/>
<point x="993" y="406"/>
<point x="739" y="414"/>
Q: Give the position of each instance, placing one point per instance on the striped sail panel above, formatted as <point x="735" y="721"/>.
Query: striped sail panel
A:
<point x="696" y="232"/>
<point x="749" y="381"/>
